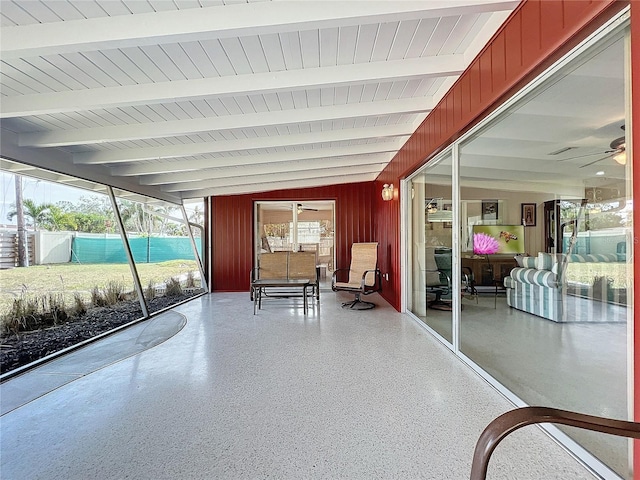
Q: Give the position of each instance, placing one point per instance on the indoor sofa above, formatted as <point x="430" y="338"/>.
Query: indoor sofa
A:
<point x="536" y="285"/>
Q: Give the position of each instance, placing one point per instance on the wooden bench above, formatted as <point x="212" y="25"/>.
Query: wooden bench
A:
<point x="270" y="278"/>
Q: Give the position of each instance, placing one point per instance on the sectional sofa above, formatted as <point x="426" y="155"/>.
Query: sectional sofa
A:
<point x="538" y="284"/>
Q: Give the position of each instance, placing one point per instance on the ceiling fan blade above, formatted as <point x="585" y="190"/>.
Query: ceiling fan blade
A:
<point x="586" y="155"/>
<point x="595" y="161"/>
<point x="302" y="207"/>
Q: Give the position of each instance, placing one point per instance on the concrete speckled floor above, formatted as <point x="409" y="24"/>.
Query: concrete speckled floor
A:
<point x="337" y="395"/>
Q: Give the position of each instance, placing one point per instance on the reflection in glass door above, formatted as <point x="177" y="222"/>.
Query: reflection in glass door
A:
<point x="430" y="254"/>
<point x="554" y="314"/>
<point x="298" y="226"/>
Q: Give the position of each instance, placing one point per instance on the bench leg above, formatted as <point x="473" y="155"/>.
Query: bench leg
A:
<point x="254" y="293"/>
<point x="304" y="294"/>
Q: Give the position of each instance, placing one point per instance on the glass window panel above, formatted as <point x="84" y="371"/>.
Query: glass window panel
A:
<point x="430" y="221"/>
<point x="298" y="226"/>
<point x="545" y="177"/>
<point x="77" y="274"/>
<point x="162" y="251"/>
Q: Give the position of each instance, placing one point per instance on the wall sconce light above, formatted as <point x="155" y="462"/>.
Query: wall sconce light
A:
<point x="387" y="192"/>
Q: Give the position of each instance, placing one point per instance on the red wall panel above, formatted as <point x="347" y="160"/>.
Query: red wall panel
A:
<point x="530" y="33"/>
<point x="513" y="38"/>
<point x="498" y="64"/>
<point x="232" y="223"/>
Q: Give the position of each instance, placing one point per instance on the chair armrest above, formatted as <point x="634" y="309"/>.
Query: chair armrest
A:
<point x="444" y="274"/>
<point x="334" y="276"/>
<point x="254" y="273"/>
<point x="511" y="421"/>
<point x="377" y="284"/>
<point x="467" y="274"/>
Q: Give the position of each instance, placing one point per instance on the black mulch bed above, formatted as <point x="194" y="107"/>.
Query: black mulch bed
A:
<point x="26" y="347"/>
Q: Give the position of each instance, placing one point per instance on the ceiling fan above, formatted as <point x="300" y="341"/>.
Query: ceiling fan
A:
<point x="617" y="151"/>
<point x="301" y="208"/>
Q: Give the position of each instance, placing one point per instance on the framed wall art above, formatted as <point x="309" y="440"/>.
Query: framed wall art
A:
<point x="528" y="212"/>
<point x="489" y="209"/>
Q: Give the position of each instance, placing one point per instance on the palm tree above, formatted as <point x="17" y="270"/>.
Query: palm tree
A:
<point x="36" y="212"/>
<point x="197" y="216"/>
<point x="57" y="219"/>
<point x="133" y="216"/>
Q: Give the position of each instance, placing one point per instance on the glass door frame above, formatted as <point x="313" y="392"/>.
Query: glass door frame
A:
<point x="600" y="35"/>
<point x="406" y="232"/>
<point x="294" y="219"/>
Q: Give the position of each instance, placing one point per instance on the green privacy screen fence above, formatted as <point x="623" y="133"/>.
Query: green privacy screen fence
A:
<point x="144" y="249"/>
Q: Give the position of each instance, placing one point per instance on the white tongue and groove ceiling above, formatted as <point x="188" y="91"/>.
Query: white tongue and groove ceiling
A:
<point x="183" y="99"/>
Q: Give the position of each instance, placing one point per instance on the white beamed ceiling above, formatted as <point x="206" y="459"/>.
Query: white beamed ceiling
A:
<point x="190" y="98"/>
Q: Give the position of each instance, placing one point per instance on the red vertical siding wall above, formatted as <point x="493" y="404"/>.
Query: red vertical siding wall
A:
<point x="232" y="223"/>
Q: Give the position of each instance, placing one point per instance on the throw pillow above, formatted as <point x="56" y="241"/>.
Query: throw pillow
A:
<point x="546" y="261"/>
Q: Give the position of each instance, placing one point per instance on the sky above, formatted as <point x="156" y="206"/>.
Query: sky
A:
<point x="40" y="191"/>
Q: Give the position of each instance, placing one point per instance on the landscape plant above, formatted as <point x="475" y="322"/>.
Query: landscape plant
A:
<point x="150" y="291"/>
<point x="173" y="287"/>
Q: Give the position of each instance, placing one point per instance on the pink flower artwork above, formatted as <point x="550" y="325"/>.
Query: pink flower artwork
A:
<point x="484" y="244"/>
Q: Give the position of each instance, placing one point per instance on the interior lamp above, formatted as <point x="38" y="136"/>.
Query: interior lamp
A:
<point x="621" y="157"/>
<point x="619" y="150"/>
<point x="387" y="192"/>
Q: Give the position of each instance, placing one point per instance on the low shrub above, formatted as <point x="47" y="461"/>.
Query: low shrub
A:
<point x="150" y="291"/>
<point x="34" y="312"/>
<point x="111" y="295"/>
<point x="22" y="315"/>
<point x="114" y="292"/>
<point x="173" y="287"/>
<point x="80" y="307"/>
<point x="55" y="307"/>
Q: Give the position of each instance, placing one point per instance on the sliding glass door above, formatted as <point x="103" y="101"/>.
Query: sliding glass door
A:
<point x="430" y="242"/>
<point x="543" y="241"/>
<point x="553" y="318"/>
<point x="297" y="226"/>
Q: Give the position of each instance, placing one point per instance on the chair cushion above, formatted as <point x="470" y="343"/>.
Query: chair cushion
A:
<point x="274" y="265"/>
<point x="347" y="286"/>
<point x="302" y="265"/>
<point x="364" y="256"/>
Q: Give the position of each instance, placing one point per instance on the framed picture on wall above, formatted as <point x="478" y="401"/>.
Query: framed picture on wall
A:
<point x="528" y="212"/>
<point x="489" y="210"/>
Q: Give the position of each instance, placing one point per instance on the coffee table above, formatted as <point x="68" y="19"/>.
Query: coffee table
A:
<point x="259" y="288"/>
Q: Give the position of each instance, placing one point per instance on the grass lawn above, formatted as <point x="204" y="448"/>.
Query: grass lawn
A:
<point x="586" y="272"/>
<point x="68" y="278"/>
